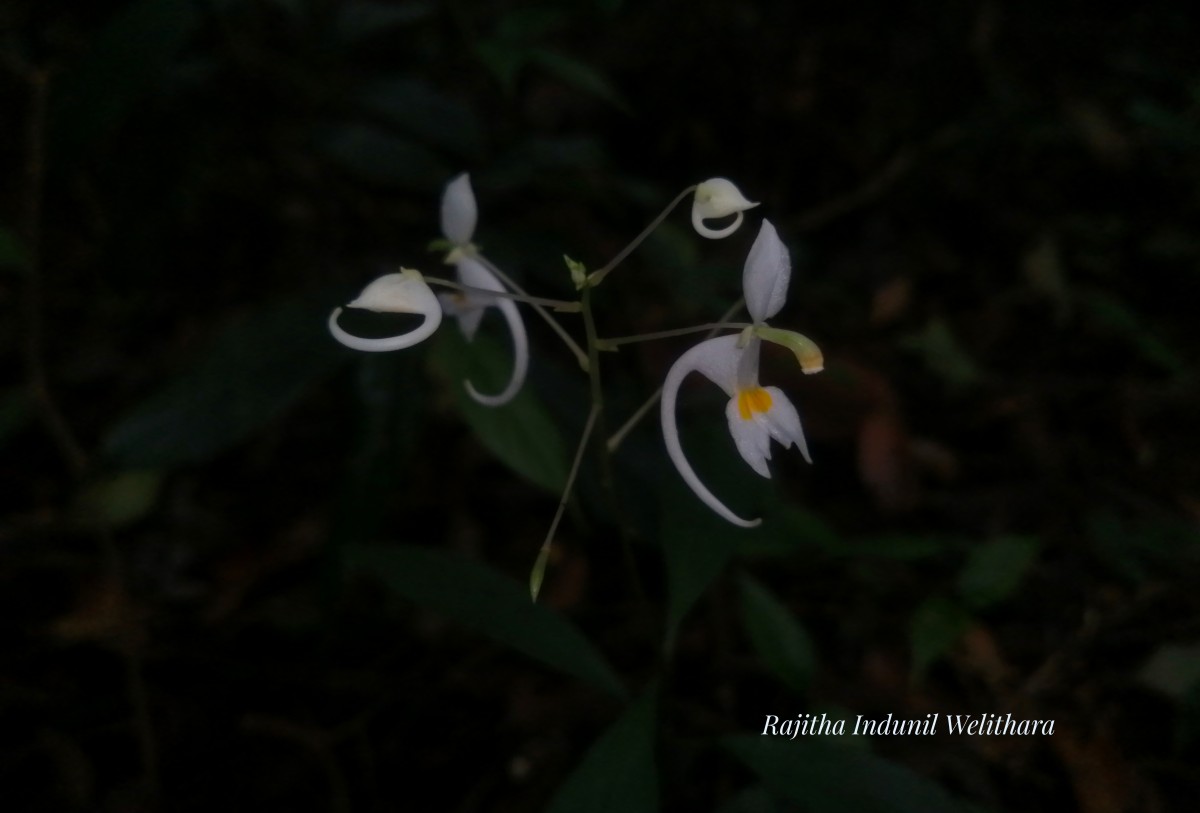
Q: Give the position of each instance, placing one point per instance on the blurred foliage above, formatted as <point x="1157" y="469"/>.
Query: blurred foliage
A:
<point x="212" y="508"/>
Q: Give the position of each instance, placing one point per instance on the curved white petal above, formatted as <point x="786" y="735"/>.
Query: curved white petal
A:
<point x="717" y="360"/>
<point x="782" y="421"/>
<point x="714" y="234"/>
<point x="718" y="197"/>
<point x="766" y="275"/>
<point x="475" y="274"/>
<point x="751" y="437"/>
<point x="403" y="292"/>
<point x="520" y="362"/>
<point x="459" y="212"/>
<point x="421" y="333"/>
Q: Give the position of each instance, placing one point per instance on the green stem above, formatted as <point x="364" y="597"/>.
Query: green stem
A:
<point x="613" y="344"/>
<point x="596" y="277"/>
<point x="617" y="437"/>
<point x="557" y="304"/>
<point x="539" y="565"/>
<point x="572" y="345"/>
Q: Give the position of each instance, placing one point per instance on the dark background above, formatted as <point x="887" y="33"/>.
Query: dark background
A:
<point x="992" y="210"/>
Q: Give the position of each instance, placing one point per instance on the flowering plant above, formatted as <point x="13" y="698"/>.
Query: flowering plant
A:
<point x="756" y="415"/>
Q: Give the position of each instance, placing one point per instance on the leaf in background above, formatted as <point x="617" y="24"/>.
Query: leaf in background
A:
<point x="365" y="19"/>
<point x="578" y="75"/>
<point x="789" y="530"/>
<point x="1132" y="327"/>
<point x="254" y="370"/>
<point x="12" y="251"/>
<point x="520" y="433"/>
<point x="777" y="636"/>
<point x="696" y="546"/>
<point x="828" y="778"/>
<point x="120" y="499"/>
<point x="16" y="411"/>
<point x="377" y="156"/>
<point x="417" y="109"/>
<point x="539" y="160"/>
<point x="900" y="547"/>
<point x="618" y="773"/>
<point x="480" y="598"/>
<point x="1174" y="670"/>
<point x="936" y="626"/>
<point x="995" y="569"/>
<point x="944" y="354"/>
<point x="754" y="799"/>
<point x="128" y="58"/>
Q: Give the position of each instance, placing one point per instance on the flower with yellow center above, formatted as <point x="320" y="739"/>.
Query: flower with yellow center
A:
<point x="756" y="414"/>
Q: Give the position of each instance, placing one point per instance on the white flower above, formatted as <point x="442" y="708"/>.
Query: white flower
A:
<point x="459" y="212"/>
<point x="459" y="215"/>
<point x="756" y="414"/>
<point x="468" y="308"/>
<point x="405" y="292"/>
<point x="715" y="198"/>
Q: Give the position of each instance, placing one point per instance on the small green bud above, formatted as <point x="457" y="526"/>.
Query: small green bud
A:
<point x="578" y="272"/>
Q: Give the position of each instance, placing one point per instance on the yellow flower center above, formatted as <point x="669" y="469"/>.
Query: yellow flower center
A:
<point x="751" y="401"/>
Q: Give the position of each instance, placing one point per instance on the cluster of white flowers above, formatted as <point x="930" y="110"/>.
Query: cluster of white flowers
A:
<point x="755" y="414"/>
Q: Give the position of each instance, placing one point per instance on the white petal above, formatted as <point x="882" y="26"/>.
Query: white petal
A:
<point x="747" y="366"/>
<point x="475" y="274"/>
<point x="715" y="234"/>
<point x="459" y="212"/>
<point x="718" y="197"/>
<point x="471" y="306"/>
<point x="467" y="314"/>
<point x="768" y="269"/>
<point x="716" y="359"/>
<point x="751" y="437"/>
<point x="783" y="422"/>
<point x="404" y="292"/>
<point x="416" y="336"/>
<point x="520" y="358"/>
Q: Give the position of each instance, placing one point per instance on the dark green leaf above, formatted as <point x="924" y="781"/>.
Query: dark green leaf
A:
<point x="380" y="157"/>
<point x="129" y="58"/>
<point x="578" y="75"/>
<point x="777" y="636"/>
<point x="995" y="569"/>
<point x="789" y="530"/>
<point x="828" y="778"/>
<point x="415" y="108"/>
<point x="696" y="545"/>
<point x="16" y="411"/>
<point x="484" y="600"/>
<point x="365" y="19"/>
<point x="520" y="433"/>
<point x="1174" y="670"/>
<point x="899" y="546"/>
<point x="12" y="251"/>
<point x="255" y="369"/>
<point x="936" y="626"/>
<point x="1120" y="318"/>
<point x="618" y="774"/>
<point x="120" y="499"/>
<point x="944" y="354"/>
